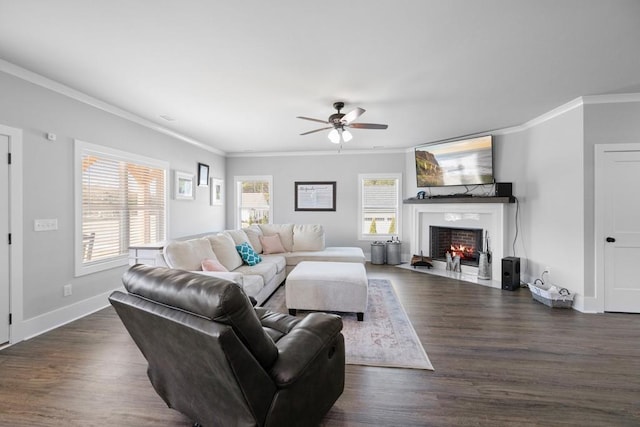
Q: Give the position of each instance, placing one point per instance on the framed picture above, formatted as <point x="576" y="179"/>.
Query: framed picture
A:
<point x="315" y="196"/>
<point x="217" y="191"/>
<point x="183" y="186"/>
<point x="203" y="175"/>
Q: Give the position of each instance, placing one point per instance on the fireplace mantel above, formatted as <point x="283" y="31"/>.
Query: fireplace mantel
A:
<point x="473" y="199"/>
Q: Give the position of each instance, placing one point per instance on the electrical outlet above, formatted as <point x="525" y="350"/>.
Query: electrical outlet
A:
<point x="67" y="290"/>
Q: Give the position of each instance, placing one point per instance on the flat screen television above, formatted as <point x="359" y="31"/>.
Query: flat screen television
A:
<point x="466" y="161"/>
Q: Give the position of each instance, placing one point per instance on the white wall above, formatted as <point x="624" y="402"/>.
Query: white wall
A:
<point x="48" y="187"/>
<point x="341" y="226"/>
<point x="551" y="200"/>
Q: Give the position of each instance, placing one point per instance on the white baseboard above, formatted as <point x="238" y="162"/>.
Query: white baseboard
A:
<point x="38" y="325"/>
<point x="587" y="304"/>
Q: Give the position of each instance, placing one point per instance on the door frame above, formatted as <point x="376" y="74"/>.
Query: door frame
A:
<point x="16" y="230"/>
<point x="600" y="189"/>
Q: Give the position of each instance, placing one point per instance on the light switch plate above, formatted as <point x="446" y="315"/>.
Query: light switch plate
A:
<point x="45" y="224"/>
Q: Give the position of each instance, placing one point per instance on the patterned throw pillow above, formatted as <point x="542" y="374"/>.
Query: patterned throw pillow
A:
<point x="247" y="254"/>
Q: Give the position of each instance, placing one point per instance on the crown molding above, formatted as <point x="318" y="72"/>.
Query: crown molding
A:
<point x="316" y="153"/>
<point x="39" y="80"/>
<point x="618" y="98"/>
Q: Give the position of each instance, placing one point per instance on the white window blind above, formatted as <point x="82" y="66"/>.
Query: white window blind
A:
<point x="122" y="200"/>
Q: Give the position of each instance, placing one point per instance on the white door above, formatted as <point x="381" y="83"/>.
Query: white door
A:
<point x="4" y="239"/>
<point x="621" y="229"/>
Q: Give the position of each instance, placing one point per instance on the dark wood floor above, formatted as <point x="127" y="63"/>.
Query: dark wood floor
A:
<point x="500" y="358"/>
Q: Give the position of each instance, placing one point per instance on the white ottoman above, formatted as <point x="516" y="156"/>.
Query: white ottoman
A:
<point x="327" y="286"/>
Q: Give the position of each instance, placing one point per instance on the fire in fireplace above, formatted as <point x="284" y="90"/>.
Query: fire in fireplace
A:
<point x="463" y="242"/>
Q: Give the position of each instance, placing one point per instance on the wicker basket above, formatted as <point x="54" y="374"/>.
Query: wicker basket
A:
<point x="551" y="296"/>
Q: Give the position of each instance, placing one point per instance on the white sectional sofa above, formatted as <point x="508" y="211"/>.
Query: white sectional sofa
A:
<point x="280" y="246"/>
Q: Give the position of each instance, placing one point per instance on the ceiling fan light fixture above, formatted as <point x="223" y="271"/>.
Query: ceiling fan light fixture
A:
<point x="338" y="121"/>
<point x="334" y="136"/>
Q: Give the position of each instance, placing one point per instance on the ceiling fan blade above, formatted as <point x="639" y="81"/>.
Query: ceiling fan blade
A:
<point x="313" y="120"/>
<point x="352" y="115"/>
<point x="317" y="130"/>
<point x="367" y="126"/>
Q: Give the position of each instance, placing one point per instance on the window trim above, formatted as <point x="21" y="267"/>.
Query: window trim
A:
<point x="237" y="220"/>
<point x="370" y="237"/>
<point x="81" y="147"/>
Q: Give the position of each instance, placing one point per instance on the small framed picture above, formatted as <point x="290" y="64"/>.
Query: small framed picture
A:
<point x="183" y="186"/>
<point x="217" y="191"/>
<point x="203" y="175"/>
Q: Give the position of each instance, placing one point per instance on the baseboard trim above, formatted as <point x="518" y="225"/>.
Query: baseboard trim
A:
<point x="588" y="305"/>
<point x="46" y="322"/>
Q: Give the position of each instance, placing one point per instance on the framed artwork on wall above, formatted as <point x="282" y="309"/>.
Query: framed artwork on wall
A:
<point x="183" y="186"/>
<point x="203" y="175"/>
<point x="315" y="196"/>
<point x="217" y="191"/>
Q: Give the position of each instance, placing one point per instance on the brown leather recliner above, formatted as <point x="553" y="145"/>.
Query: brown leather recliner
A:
<point x="222" y="362"/>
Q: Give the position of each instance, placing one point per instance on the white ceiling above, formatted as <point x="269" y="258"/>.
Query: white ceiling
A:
<point x="235" y="74"/>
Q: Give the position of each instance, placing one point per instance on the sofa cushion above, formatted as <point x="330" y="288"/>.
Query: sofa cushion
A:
<point x="266" y="270"/>
<point x="284" y="230"/>
<point x="225" y="250"/>
<point x="335" y="254"/>
<point x="188" y="254"/>
<point x="308" y="237"/>
<point x="278" y="259"/>
<point x="212" y="264"/>
<point x="238" y="236"/>
<point x="248" y="255"/>
<point x="271" y="244"/>
<point x="254" y="232"/>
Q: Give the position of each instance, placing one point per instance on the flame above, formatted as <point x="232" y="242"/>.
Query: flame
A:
<point x="462" y="251"/>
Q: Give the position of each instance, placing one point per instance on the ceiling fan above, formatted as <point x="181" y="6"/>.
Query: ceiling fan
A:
<point x="339" y="121"/>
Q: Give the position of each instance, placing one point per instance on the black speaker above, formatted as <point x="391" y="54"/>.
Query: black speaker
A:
<point x="504" y="189"/>
<point x="511" y="273"/>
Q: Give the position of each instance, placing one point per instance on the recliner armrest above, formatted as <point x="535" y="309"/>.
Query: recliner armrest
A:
<point x="314" y="336"/>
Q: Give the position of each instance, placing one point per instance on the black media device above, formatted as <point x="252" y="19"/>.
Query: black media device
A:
<point x="510" y="273"/>
<point x="504" y="189"/>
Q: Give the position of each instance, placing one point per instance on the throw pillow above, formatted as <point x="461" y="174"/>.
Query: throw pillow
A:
<point x="247" y="254"/>
<point x="285" y="231"/>
<point x="212" y="264"/>
<point x="271" y="244"/>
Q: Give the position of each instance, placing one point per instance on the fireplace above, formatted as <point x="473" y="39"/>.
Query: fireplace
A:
<point x="463" y="242"/>
<point x="488" y="216"/>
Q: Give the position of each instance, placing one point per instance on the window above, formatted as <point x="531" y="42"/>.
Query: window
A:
<point x="121" y="200"/>
<point x="253" y="200"/>
<point x="379" y="206"/>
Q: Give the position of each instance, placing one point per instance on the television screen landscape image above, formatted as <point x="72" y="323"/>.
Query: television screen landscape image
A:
<point x="460" y="162"/>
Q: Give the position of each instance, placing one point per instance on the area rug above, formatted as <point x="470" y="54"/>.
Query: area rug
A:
<point x="385" y="337"/>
